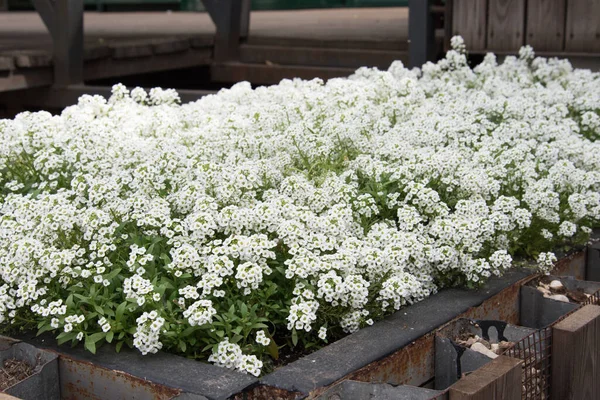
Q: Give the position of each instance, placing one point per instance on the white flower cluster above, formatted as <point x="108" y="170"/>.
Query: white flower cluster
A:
<point x="321" y="205"/>
<point x="147" y="335"/>
<point x="230" y="355"/>
<point x="262" y="339"/>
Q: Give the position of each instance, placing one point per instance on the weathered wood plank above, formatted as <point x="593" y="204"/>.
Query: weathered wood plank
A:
<point x="271" y="74"/>
<point x="7" y="63"/>
<point x="469" y="21"/>
<point x="170" y="45"/>
<point x="506" y="23"/>
<point x="25" y="79"/>
<point x="320" y="56"/>
<point x="31" y="58"/>
<point x="112" y="67"/>
<point x="499" y="379"/>
<point x="546" y="25"/>
<point x="576" y="356"/>
<point x="202" y="41"/>
<point x="96" y="52"/>
<point x="131" y="49"/>
<point x="583" y="26"/>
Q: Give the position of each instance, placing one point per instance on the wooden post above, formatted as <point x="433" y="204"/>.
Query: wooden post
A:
<point x="576" y="356"/>
<point x="592" y="264"/>
<point x="420" y="33"/>
<point x="68" y="42"/>
<point x="499" y="379"/>
<point x="228" y="19"/>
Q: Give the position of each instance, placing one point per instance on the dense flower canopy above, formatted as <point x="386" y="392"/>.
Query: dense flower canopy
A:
<point x="290" y="214"/>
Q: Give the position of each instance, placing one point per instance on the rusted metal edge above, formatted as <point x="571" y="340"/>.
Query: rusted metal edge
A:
<point x="81" y="379"/>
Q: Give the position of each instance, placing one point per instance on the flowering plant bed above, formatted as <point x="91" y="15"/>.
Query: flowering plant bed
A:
<point x="290" y="215"/>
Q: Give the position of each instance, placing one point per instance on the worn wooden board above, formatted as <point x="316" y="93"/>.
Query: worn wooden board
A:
<point x="271" y="74"/>
<point x="320" y="56"/>
<point x="131" y="49"/>
<point x="469" y="21"/>
<point x="114" y="67"/>
<point x="7" y="63"/>
<point x="583" y="26"/>
<point x="545" y="25"/>
<point x="506" y="25"/>
<point x="170" y="45"/>
<point x="576" y="356"/>
<point x="30" y="58"/>
<point x="499" y="379"/>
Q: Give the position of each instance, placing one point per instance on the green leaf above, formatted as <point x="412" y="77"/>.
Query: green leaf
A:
<point x="118" y="346"/>
<point x="90" y="345"/>
<point x="236" y="338"/>
<point x="120" y="311"/>
<point x="109" y="336"/>
<point x="182" y="346"/>
<point x="294" y="337"/>
<point x="237" y="330"/>
<point x="96" y="337"/>
<point x="259" y="325"/>
<point x="273" y="350"/>
<point x="244" y="309"/>
<point x="112" y="274"/>
<point x="43" y="329"/>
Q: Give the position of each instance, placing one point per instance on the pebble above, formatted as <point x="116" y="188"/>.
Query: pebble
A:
<point x="556" y="285"/>
<point x="559" y="297"/>
<point x="480" y="348"/>
<point x="544" y="291"/>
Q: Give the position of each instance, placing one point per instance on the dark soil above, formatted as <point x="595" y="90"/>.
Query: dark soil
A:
<point x="13" y="372"/>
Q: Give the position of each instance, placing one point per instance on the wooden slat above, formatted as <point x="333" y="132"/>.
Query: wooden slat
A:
<point x="469" y="21"/>
<point x="506" y="21"/>
<point x="546" y="24"/>
<point x="499" y="379"/>
<point x="271" y="74"/>
<point x="26" y="78"/>
<point x="319" y="56"/>
<point x="576" y="356"/>
<point x="170" y="45"/>
<point x="7" y="63"/>
<point x="113" y="67"/>
<point x="29" y="58"/>
<point x="583" y="26"/>
<point x="131" y="49"/>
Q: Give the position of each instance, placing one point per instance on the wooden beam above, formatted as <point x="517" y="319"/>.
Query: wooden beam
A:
<point x="576" y="355"/>
<point x="320" y="56"/>
<point x="499" y="379"/>
<point x="271" y="74"/>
